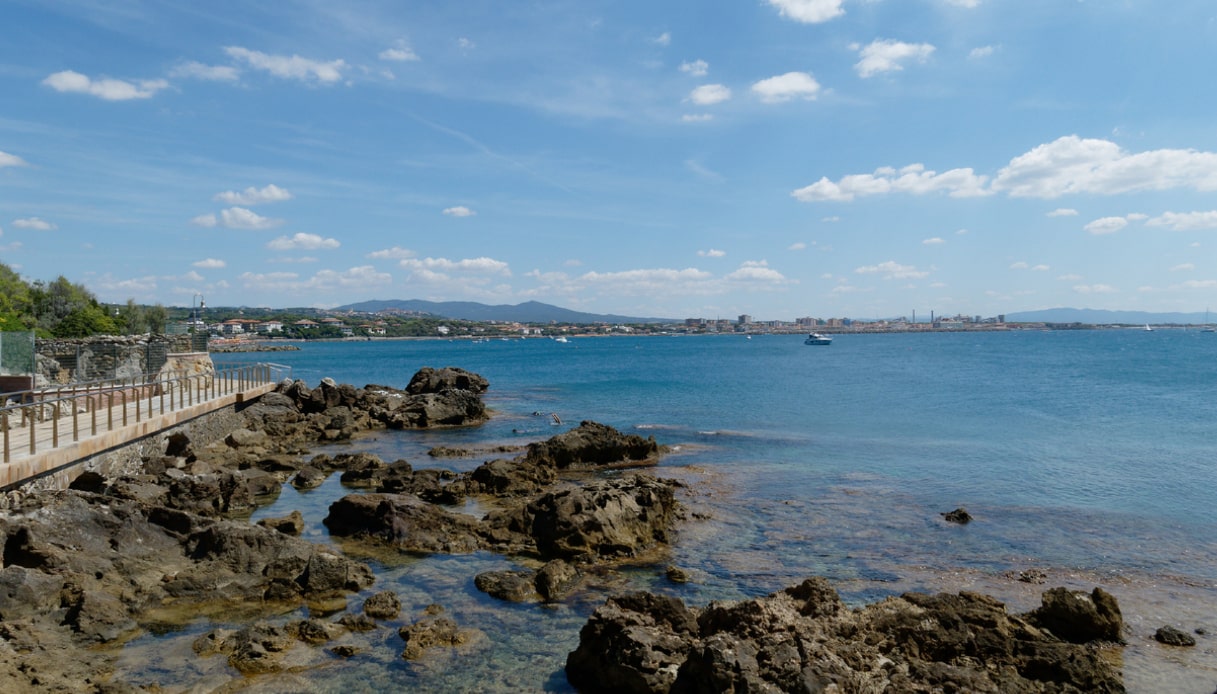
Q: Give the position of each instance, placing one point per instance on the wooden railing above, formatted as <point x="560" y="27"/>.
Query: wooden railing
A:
<point x="85" y="409"/>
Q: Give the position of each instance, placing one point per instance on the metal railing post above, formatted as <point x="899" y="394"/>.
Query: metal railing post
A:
<point x="55" y="425"/>
<point x="33" y="447"/>
<point x="75" y="420"/>
<point x="110" y="411"/>
<point x="93" y="414"/>
<point x="4" y="423"/>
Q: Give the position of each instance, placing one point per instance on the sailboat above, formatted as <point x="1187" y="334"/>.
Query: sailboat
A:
<point x="1208" y="327"/>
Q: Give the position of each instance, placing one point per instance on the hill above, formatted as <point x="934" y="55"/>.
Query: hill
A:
<point x="528" y="312"/>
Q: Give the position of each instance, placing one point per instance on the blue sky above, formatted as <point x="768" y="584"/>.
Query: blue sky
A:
<point x="780" y="158"/>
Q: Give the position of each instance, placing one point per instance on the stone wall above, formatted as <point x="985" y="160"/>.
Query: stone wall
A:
<point x="63" y="362"/>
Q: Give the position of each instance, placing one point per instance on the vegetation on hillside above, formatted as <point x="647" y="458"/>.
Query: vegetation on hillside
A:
<point x="61" y="308"/>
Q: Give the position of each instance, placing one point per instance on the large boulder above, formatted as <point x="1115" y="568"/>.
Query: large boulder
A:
<point x="404" y="522"/>
<point x="592" y="444"/>
<point x="803" y="639"/>
<point x="609" y="519"/>
<point x="429" y="380"/>
<point x="1079" y="617"/>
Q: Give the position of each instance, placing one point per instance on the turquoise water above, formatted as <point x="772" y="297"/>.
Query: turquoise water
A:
<point x="1089" y="454"/>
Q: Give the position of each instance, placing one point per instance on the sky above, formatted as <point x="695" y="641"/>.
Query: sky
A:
<point x="670" y="158"/>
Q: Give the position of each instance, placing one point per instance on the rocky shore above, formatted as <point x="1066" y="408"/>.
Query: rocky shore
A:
<point x="88" y="569"/>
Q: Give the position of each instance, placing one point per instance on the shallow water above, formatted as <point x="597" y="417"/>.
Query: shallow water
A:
<point x="1085" y="454"/>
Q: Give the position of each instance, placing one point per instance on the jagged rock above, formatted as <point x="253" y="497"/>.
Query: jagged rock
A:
<point x="314" y="631"/>
<point x="431" y="633"/>
<point x="592" y="444"/>
<point x="1171" y="636"/>
<point x="804" y="639"/>
<point x="554" y="580"/>
<point x="257" y="649"/>
<point x="512" y="478"/>
<point x="512" y="586"/>
<point x="959" y="515"/>
<point x="291" y="524"/>
<point x="1079" y="617"/>
<point x="95" y="615"/>
<point x="429" y="380"/>
<point x="404" y="522"/>
<point x="244" y="438"/>
<point x="676" y="574"/>
<point x="383" y="605"/>
<point x="602" y="520"/>
<point x="308" y="477"/>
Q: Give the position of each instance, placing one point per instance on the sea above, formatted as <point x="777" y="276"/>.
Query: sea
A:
<point x="1086" y="458"/>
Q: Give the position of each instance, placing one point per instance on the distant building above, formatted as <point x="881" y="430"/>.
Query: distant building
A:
<point x="745" y="319"/>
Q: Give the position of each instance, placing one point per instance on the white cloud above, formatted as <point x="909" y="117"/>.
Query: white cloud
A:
<point x="394" y="253"/>
<point x="483" y="266"/>
<point x="980" y="52"/>
<point x="755" y="272"/>
<point x="809" y="11"/>
<point x="210" y="73"/>
<point x="1040" y="268"/>
<point x="35" y="223"/>
<point x="791" y="85"/>
<point x="1070" y="278"/>
<point x="913" y="179"/>
<point x="459" y="211"/>
<point x="1095" y="289"/>
<point x="290" y="67"/>
<point x="696" y="117"/>
<point x="708" y="94"/>
<point x="399" y="53"/>
<point x="1071" y="165"/>
<point x="193" y="276"/>
<point x="1185" y="221"/>
<point x="712" y="253"/>
<point x="204" y="220"/>
<point x="241" y="218"/>
<point x="963" y="3"/>
<point x="933" y="241"/>
<point x="1183" y="267"/>
<point x="1020" y="265"/>
<point x="797" y="246"/>
<point x="892" y="270"/>
<point x="253" y="196"/>
<point x="1063" y="212"/>
<point x="109" y="89"/>
<point x="889" y="56"/>
<point x="210" y="263"/>
<point x="298" y="260"/>
<point x="1106" y="225"/>
<point x="356" y="277"/>
<point x="664" y="39"/>
<point x="7" y="159"/>
<point x="302" y="241"/>
<point x="697" y="68"/>
<point x="465" y="44"/>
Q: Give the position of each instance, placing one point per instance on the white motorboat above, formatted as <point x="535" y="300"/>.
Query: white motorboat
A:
<point x="817" y="339"/>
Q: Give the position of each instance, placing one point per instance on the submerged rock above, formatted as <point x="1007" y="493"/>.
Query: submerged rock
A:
<point x="592" y="444"/>
<point x="959" y="515"/>
<point x="1171" y="636"/>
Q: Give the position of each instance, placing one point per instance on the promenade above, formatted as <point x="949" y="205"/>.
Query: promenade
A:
<point x="46" y="430"/>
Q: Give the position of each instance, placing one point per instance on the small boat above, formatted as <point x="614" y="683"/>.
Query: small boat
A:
<point x="817" y="339"/>
<point x="561" y="338"/>
<point x="1148" y="329"/>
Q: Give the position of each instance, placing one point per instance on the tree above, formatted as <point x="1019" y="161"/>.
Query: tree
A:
<point x="85" y="321"/>
<point x="133" y="318"/>
<point x="157" y="316"/>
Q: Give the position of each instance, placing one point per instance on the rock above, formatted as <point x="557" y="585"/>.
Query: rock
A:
<point x="431" y="633"/>
<point x="959" y="515"/>
<point x="314" y="631"/>
<point x="1036" y="576"/>
<point x="556" y="579"/>
<point x="676" y="574"/>
<point x="804" y="639"/>
<point x="383" y="605"/>
<point x="1079" y="617"/>
<point x="512" y="478"/>
<point x="95" y="615"/>
<point x="1173" y="637"/>
<point x="257" y="649"/>
<point x="633" y="643"/>
<point x="244" y="438"/>
<point x="592" y="444"/>
<point x="429" y="380"/>
<point x="308" y="477"/>
<point x="602" y="520"/>
<point x="404" y="522"/>
<point x="512" y="586"/>
<point x="292" y="524"/>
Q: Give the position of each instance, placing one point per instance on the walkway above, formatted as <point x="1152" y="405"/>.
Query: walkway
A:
<point x="46" y="430"/>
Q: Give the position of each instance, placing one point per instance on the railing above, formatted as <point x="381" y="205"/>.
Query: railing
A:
<point x="103" y="405"/>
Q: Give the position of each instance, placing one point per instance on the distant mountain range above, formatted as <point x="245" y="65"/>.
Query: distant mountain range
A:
<point x="1100" y="317"/>
<point x="528" y="312"/>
